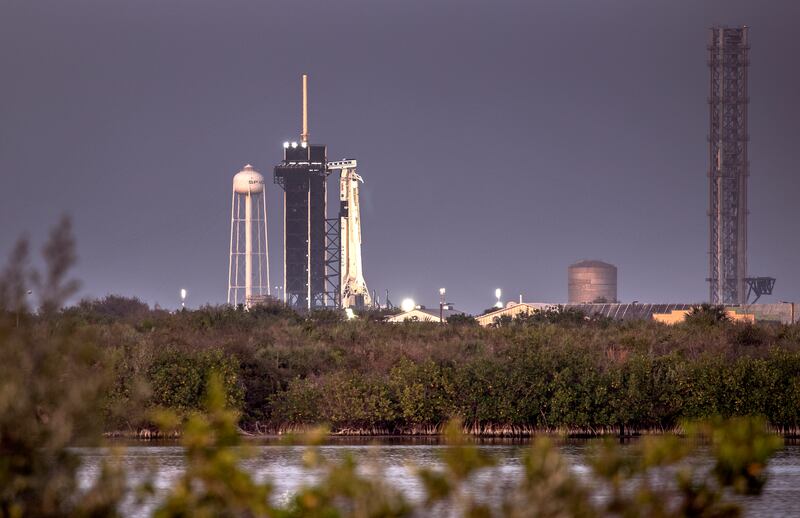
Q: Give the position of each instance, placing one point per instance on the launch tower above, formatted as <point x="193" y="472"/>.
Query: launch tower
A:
<point x="307" y="281"/>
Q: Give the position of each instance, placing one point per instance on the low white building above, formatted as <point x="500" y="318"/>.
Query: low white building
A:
<point x="513" y="309"/>
<point x="423" y="314"/>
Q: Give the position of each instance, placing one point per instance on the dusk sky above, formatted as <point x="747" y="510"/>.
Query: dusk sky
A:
<point x="499" y="141"/>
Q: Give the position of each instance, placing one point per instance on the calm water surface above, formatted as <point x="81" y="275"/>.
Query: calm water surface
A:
<point x="282" y="465"/>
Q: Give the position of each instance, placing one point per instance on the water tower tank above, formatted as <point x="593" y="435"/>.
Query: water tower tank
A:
<point x="592" y="281"/>
<point x="248" y="180"/>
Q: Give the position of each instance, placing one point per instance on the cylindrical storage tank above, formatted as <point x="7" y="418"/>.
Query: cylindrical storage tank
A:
<point x="592" y="282"/>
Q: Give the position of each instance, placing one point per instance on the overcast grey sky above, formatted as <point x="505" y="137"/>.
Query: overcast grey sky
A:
<point x="499" y="140"/>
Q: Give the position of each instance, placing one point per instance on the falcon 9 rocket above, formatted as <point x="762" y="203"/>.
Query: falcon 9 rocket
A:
<point x="354" y="290"/>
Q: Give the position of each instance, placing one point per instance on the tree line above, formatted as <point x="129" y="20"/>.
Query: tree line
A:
<point x="285" y="371"/>
<point x="550" y="371"/>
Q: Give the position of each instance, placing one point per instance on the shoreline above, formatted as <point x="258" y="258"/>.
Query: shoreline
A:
<point x="297" y="433"/>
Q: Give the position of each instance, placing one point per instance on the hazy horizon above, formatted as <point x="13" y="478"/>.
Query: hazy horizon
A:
<point x="499" y="142"/>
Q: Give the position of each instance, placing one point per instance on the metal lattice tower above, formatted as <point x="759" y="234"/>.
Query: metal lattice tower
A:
<point x="728" y="165"/>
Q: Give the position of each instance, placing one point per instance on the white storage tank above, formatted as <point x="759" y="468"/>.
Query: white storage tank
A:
<point x="592" y="282"/>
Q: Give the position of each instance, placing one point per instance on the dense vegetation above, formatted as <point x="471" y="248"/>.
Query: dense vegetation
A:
<point x="559" y="373"/>
<point x="554" y="371"/>
<point x="68" y="374"/>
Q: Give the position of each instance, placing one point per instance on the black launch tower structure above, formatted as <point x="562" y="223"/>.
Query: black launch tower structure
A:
<point x="310" y="268"/>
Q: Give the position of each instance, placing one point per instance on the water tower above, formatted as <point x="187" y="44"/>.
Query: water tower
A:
<point x="248" y="267"/>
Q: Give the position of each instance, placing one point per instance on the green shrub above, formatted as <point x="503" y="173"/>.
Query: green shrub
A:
<point x="178" y="380"/>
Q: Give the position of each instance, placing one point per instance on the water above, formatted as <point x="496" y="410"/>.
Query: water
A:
<point x="282" y="465"/>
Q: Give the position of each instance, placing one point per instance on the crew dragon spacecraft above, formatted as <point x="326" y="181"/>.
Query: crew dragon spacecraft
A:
<point x="354" y="290"/>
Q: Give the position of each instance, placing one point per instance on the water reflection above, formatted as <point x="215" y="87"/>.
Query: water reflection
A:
<point x="397" y="459"/>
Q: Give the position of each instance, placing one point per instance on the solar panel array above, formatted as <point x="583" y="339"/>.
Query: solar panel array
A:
<point x="628" y="311"/>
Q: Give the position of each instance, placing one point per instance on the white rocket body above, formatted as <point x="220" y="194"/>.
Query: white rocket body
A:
<point x="354" y="288"/>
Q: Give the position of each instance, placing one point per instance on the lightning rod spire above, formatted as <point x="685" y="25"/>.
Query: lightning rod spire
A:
<point x="304" y="134"/>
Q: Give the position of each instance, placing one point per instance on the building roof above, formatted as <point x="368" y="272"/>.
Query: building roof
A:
<point x="512" y="309"/>
<point x="785" y="312"/>
<point x="624" y="311"/>
<point x="423" y="315"/>
<point x="615" y="311"/>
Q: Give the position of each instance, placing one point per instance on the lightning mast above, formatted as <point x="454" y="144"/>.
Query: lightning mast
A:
<point x="729" y="168"/>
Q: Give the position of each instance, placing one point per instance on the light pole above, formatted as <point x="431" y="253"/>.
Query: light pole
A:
<point x="183" y="298"/>
<point x="442" y="291"/>
<point x="498" y="293"/>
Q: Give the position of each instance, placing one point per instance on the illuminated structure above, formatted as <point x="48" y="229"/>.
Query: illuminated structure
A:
<point x="248" y="266"/>
<point x="354" y="290"/>
<point x="310" y="280"/>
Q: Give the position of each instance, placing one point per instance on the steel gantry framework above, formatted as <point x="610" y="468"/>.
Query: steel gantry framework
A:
<point x="728" y="165"/>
